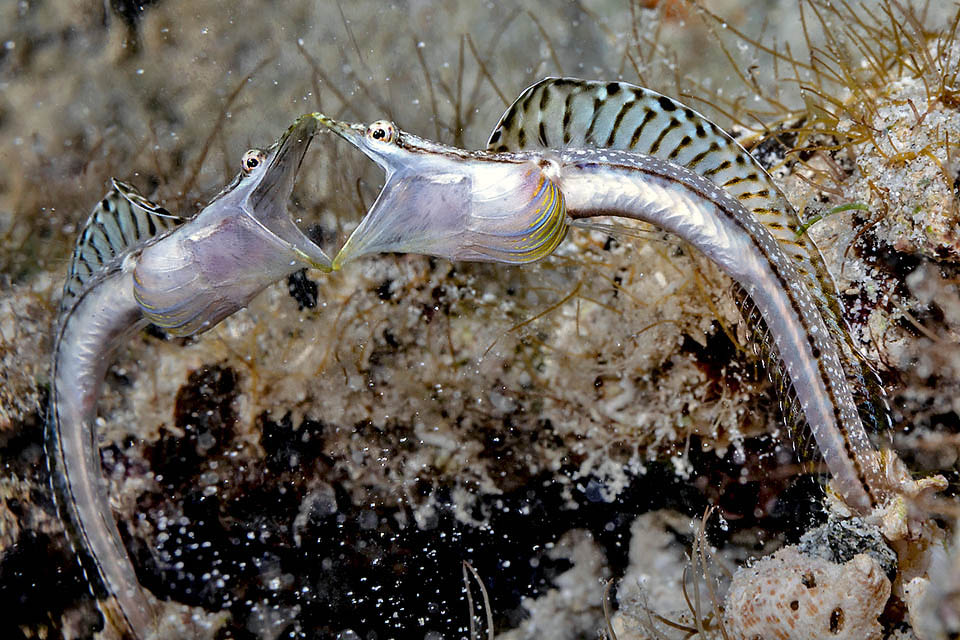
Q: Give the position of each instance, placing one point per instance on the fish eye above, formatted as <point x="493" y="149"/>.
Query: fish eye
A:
<point x="252" y="159"/>
<point x="382" y="131"/>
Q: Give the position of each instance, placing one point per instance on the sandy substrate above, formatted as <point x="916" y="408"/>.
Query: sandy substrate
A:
<point x="322" y="463"/>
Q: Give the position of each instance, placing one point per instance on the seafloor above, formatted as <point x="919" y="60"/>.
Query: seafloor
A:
<point x="322" y="464"/>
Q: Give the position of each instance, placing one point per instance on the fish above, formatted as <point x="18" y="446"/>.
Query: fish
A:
<point x="135" y="263"/>
<point x="502" y="210"/>
<point x="573" y="113"/>
<point x="614" y="149"/>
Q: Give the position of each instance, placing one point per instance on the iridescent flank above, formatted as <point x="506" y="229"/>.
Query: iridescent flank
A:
<point x="540" y="227"/>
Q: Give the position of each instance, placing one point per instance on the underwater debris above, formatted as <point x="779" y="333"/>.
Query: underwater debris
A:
<point x="626" y="371"/>
<point x="795" y="596"/>
<point x="840" y="540"/>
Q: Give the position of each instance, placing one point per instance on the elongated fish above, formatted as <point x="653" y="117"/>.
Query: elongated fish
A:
<point x="136" y="263"/>
<point x="569" y="113"/>
<point x="693" y="180"/>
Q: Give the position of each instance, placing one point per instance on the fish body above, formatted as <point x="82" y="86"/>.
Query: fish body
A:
<point x="631" y="185"/>
<point x="614" y="149"/>
<point x="508" y="210"/>
<point x="134" y="265"/>
<point x="203" y="272"/>
<point x="99" y="319"/>
<point x="569" y="113"/>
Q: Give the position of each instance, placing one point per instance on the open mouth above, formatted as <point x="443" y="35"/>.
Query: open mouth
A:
<point x="371" y="235"/>
<point x="441" y="201"/>
<point x="268" y="197"/>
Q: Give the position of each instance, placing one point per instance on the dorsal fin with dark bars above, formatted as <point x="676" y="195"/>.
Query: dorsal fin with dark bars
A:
<point x="569" y="113"/>
<point x="121" y="222"/>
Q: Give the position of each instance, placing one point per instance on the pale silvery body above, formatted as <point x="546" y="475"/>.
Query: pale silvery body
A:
<point x="626" y="151"/>
<point x="129" y="269"/>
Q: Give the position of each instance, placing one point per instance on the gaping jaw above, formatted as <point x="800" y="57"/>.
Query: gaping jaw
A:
<point x="265" y="193"/>
<point x="400" y="219"/>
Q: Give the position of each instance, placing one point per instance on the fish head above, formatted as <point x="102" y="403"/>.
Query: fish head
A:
<point x="423" y="205"/>
<point x="437" y="200"/>
<point x="453" y="203"/>
<point x="262" y="190"/>
<point x="243" y="241"/>
<point x="380" y="141"/>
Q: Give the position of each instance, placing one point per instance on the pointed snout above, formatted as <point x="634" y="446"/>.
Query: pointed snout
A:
<point x="283" y="161"/>
<point x="351" y="132"/>
<point x="267" y="202"/>
<point x="356" y="135"/>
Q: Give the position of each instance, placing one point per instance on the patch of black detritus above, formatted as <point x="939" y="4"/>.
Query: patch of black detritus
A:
<point x="384" y="290"/>
<point x="839" y="540"/>
<point x="373" y="570"/>
<point x="187" y="520"/>
<point x="774" y="148"/>
<point x="22" y="447"/>
<point x="287" y="449"/>
<point x="882" y="257"/>
<point x="302" y="289"/>
<point x="130" y="11"/>
<point x="885" y="257"/>
<point x="507" y="443"/>
<point x="440" y="304"/>
<point x="750" y="490"/>
<point x="154" y="331"/>
<point x="40" y="579"/>
<point x="716" y="353"/>
<point x="284" y="533"/>
<point x="39" y="582"/>
<point x="204" y="412"/>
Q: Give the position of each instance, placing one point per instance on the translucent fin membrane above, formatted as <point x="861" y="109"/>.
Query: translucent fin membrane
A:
<point x="572" y="113"/>
<point x="122" y="221"/>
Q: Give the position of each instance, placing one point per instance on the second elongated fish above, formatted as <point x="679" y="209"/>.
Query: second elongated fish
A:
<point x="659" y="162"/>
<point x="135" y="263"/>
<point x="569" y="113"/>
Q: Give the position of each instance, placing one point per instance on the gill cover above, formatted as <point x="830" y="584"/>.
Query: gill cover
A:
<point x="521" y="218"/>
<point x="240" y="243"/>
<point x="454" y="204"/>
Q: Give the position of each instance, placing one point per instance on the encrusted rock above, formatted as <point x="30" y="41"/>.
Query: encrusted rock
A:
<point x="840" y="540"/>
<point x="794" y="596"/>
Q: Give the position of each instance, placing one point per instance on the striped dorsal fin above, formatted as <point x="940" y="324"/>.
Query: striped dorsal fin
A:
<point x="569" y="113"/>
<point x="122" y="221"/>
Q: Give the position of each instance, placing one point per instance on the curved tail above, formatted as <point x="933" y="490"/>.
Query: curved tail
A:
<point x="98" y="320"/>
<point x="97" y="312"/>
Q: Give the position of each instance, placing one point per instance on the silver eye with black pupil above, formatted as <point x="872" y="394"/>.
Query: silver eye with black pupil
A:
<point x="251" y="160"/>
<point x="382" y="131"/>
